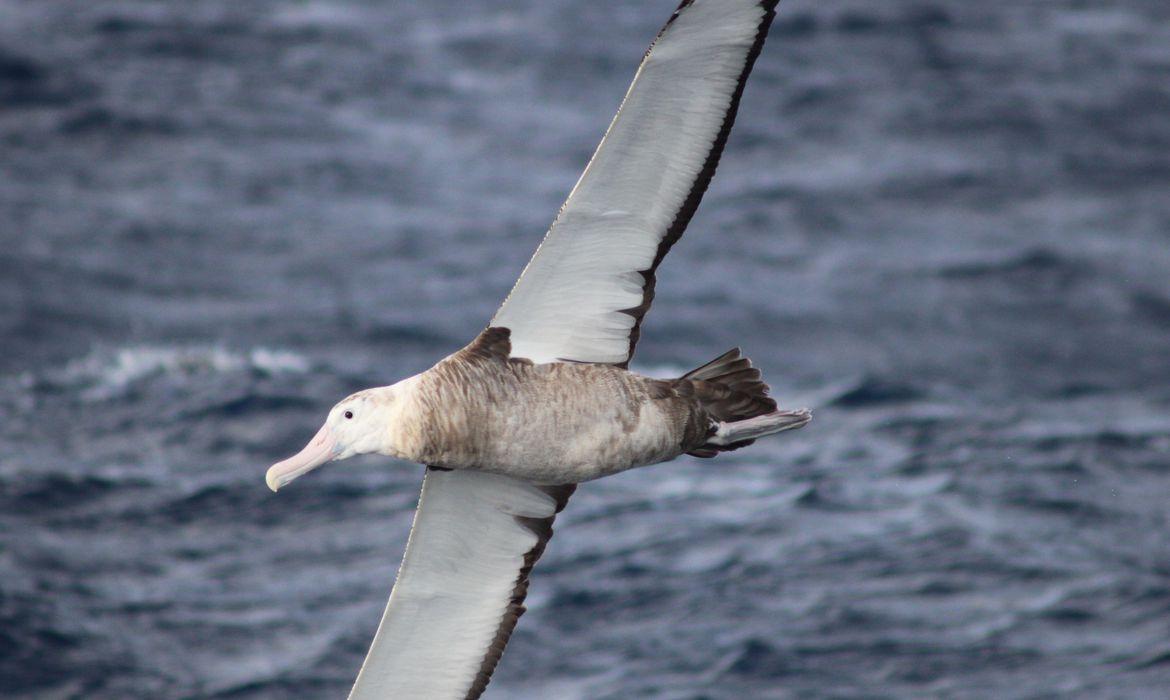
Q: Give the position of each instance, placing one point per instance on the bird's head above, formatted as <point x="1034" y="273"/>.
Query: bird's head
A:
<point x="359" y="424"/>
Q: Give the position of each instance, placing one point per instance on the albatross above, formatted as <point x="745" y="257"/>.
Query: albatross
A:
<point x="543" y="399"/>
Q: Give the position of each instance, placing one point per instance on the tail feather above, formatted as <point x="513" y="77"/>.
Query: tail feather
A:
<point x="740" y="433"/>
<point x="744" y="377"/>
<point x="729" y="361"/>
<point x="734" y="395"/>
<point x="728" y="388"/>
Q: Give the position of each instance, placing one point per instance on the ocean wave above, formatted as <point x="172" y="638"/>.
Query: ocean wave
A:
<point x="108" y="374"/>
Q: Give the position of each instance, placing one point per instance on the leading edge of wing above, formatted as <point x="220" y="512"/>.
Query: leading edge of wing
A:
<point x="461" y="586"/>
<point x="584" y="293"/>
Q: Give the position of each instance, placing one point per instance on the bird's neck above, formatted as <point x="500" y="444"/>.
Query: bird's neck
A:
<point x="402" y="430"/>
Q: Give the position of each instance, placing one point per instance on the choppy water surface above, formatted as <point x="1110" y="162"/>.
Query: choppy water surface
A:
<point x="946" y="224"/>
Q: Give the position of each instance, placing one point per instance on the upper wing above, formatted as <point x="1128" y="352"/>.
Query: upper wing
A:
<point x="461" y="586"/>
<point x="585" y="291"/>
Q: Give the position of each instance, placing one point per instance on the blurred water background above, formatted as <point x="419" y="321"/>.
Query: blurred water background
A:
<point x="946" y="224"/>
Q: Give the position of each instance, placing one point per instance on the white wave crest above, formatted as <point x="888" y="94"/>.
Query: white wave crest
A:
<point x="107" y="374"/>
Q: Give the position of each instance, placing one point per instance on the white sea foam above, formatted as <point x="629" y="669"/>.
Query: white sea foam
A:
<point x="105" y="374"/>
<point x="314" y="15"/>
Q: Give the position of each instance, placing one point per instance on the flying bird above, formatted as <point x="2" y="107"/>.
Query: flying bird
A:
<point x="543" y="399"/>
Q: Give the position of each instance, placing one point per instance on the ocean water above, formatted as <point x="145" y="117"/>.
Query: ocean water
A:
<point x="946" y="225"/>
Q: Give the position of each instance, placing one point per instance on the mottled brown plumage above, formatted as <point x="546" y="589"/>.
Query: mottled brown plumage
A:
<point x="480" y="406"/>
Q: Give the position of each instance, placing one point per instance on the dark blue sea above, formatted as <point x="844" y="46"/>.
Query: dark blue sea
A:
<point x="945" y="225"/>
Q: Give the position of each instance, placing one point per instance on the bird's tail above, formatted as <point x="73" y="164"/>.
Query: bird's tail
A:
<point x="733" y="394"/>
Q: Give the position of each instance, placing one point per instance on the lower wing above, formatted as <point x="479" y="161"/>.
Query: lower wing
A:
<point x="461" y="586"/>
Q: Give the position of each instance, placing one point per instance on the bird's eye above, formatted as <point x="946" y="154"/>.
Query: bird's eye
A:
<point x="349" y="414"/>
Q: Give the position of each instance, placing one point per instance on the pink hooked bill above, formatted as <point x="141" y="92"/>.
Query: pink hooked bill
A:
<point x="317" y="452"/>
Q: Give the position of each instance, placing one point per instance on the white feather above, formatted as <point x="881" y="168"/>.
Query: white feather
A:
<point x="567" y="304"/>
<point x="462" y="562"/>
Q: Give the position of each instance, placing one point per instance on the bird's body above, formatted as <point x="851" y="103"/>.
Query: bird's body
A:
<point x="554" y="422"/>
<point x="543" y="399"/>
